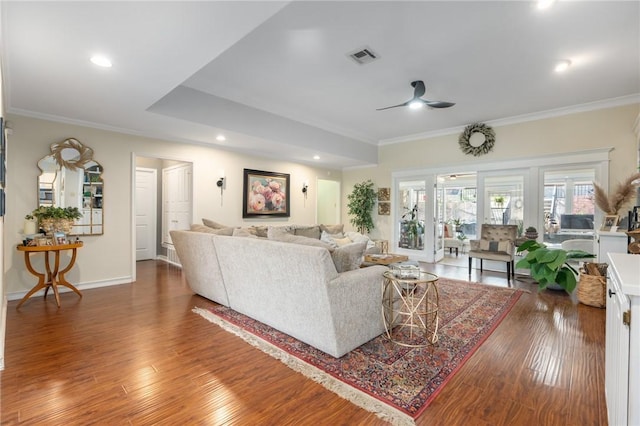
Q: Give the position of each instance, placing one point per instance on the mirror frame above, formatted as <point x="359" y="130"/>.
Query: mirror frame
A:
<point x="81" y="159"/>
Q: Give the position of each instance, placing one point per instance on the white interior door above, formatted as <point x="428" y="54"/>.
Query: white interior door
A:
<point x="146" y="213"/>
<point x="328" y="202"/>
<point x="176" y="199"/>
<point x="438" y="220"/>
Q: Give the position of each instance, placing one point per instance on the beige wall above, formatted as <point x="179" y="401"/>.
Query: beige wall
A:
<point x="573" y="133"/>
<point x="107" y="259"/>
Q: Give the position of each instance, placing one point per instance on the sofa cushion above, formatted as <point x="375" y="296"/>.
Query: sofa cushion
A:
<point x="202" y="228"/>
<point x="308" y="231"/>
<point x="212" y="224"/>
<point x="259" y="231"/>
<point x="348" y="257"/>
<point x="333" y="229"/>
<point x="278" y="233"/>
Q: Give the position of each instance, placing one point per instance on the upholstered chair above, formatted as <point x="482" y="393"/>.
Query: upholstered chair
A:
<point x="496" y="243"/>
<point x="450" y="240"/>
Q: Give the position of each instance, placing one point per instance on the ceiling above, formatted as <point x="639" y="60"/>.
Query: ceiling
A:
<point x="275" y="77"/>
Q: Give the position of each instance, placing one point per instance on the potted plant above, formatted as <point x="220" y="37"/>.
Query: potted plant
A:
<point x="54" y="219"/>
<point x="549" y="266"/>
<point x="531" y="233"/>
<point x="361" y="202"/>
<point x="499" y="200"/>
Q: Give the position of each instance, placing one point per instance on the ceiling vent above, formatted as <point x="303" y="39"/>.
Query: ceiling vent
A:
<point x="363" y="56"/>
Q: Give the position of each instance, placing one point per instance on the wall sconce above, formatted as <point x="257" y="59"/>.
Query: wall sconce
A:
<point x="305" y="187"/>
<point x="220" y="184"/>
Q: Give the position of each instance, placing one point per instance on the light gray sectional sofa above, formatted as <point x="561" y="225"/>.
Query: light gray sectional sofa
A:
<point x="290" y="286"/>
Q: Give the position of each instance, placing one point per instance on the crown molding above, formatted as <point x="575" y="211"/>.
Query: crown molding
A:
<point x="541" y="115"/>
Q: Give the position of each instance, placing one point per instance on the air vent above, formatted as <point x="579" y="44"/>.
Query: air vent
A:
<point x="363" y="56"/>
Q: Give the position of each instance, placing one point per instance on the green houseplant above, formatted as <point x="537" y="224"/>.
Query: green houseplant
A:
<point x="549" y="265"/>
<point x="52" y="219"/>
<point x="361" y="202"/>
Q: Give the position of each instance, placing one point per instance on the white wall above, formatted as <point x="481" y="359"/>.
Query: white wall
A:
<point x="574" y="133"/>
<point x="107" y="259"/>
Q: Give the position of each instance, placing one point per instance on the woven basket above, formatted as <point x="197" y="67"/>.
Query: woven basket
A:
<point x="592" y="290"/>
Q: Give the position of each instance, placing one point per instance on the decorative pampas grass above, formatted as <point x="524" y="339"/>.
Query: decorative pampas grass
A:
<point x="611" y="205"/>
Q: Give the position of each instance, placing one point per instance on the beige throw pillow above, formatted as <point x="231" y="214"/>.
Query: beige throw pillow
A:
<point x="308" y="231"/>
<point x="496" y="246"/>
<point x="333" y="229"/>
<point x="212" y="224"/>
<point x="243" y="232"/>
<point x="279" y="234"/>
<point x="221" y="231"/>
<point x="348" y="257"/>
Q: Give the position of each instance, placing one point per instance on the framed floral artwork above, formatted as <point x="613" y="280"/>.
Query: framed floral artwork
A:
<point x="266" y="194"/>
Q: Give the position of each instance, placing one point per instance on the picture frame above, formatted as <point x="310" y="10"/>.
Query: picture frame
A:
<point x="610" y="221"/>
<point x="384" y="208"/>
<point x="384" y="194"/>
<point x="265" y="194"/>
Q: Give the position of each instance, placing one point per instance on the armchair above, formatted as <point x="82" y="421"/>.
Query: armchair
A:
<point x="450" y="240"/>
<point x="496" y="243"/>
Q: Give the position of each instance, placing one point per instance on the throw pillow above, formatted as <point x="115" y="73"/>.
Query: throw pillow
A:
<point x="259" y="231"/>
<point x="331" y="238"/>
<point x="357" y="237"/>
<point x="333" y="229"/>
<point x="495" y="245"/>
<point x="348" y="257"/>
<point x="308" y="231"/>
<point x="279" y="234"/>
<point x="202" y="228"/>
<point x="342" y="241"/>
<point x="243" y="232"/>
<point x="212" y="224"/>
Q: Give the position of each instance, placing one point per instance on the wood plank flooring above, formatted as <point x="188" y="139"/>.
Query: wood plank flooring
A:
<point x="135" y="354"/>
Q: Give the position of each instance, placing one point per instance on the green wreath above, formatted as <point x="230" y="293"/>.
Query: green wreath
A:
<point x="487" y="145"/>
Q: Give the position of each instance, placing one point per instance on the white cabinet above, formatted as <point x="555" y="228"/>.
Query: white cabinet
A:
<point x="611" y="242"/>
<point x="622" y="347"/>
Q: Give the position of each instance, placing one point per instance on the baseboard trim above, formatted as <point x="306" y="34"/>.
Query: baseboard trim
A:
<point x="82" y="286"/>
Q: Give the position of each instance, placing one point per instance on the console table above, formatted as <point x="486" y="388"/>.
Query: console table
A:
<point x="53" y="277"/>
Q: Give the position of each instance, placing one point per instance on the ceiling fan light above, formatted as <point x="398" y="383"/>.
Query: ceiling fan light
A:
<point x="545" y="4"/>
<point x="416" y="104"/>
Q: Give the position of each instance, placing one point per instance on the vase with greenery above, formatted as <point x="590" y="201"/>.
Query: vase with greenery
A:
<point x="361" y="202"/>
<point x="56" y="219"/>
<point x="549" y="266"/>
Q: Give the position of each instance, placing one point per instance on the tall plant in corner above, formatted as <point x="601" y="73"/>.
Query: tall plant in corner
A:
<point x="361" y="202"/>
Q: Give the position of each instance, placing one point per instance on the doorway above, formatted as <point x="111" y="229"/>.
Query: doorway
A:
<point x="146" y="212"/>
<point x="328" y="202"/>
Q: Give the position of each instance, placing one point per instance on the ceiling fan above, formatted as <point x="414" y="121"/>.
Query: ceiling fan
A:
<point x="417" y="101"/>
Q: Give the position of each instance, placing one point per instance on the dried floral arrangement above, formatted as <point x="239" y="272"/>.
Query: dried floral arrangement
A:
<point x="624" y="191"/>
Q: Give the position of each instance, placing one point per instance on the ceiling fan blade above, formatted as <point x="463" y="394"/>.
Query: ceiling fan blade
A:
<point x="438" y="104"/>
<point x="395" y="106"/>
<point x="419" y="89"/>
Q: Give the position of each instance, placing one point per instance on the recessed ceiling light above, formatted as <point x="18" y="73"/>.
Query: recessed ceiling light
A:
<point x="545" y="4"/>
<point x="316" y="157"/>
<point x="101" y="61"/>
<point x="221" y="138"/>
<point x="563" y="65"/>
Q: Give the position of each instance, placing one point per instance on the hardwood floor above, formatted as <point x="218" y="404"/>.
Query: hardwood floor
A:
<point x="136" y="354"/>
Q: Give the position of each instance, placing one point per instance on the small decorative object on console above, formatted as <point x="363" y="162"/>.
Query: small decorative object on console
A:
<point x="407" y="270"/>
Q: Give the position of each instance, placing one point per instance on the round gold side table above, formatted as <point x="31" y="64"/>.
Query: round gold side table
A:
<point x="410" y="309"/>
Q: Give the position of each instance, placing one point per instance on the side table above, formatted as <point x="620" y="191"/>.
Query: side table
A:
<point x="410" y="309"/>
<point x="54" y="277"/>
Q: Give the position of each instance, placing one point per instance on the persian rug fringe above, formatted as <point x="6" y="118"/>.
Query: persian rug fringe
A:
<point x="341" y="389"/>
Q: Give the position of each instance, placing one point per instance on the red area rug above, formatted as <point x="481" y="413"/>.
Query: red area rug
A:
<point x="394" y="381"/>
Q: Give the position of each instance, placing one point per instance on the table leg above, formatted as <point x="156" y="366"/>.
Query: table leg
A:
<point x="41" y="283"/>
<point x="61" y="279"/>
